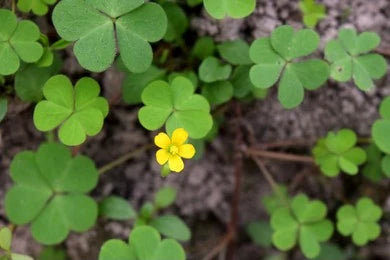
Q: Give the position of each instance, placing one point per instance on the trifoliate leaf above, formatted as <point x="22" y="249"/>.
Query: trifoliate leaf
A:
<point x="177" y="106"/>
<point x="360" y="221"/>
<point x="235" y="52"/>
<point x="38" y="7"/>
<point x="177" y="21"/>
<point x="260" y="232"/>
<point x="241" y="82"/>
<point x="218" y="92"/>
<point x="349" y="58"/>
<point x="219" y="9"/>
<point x="381" y="128"/>
<point x="49" y="192"/>
<point x="274" y="57"/>
<point x="211" y="70"/>
<point x="312" y="12"/>
<point x="203" y="48"/>
<point x="278" y="199"/>
<point x="18" y="41"/>
<point x="373" y="168"/>
<point x="172" y="227"/>
<point x="99" y="24"/>
<point x="79" y="111"/>
<point x="117" y="208"/>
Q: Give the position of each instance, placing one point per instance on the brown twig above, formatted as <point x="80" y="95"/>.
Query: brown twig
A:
<point x="280" y="156"/>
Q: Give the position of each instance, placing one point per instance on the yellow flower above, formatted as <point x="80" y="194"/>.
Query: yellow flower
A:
<point x="173" y="149"/>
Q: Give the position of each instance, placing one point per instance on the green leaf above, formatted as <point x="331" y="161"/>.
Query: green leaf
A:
<point x="5" y="238"/>
<point x="175" y="105"/>
<point x="380" y="133"/>
<point x="312" y="12"/>
<point x="386" y="165"/>
<point x="165" y="197"/>
<point x="117" y="208"/>
<point x="211" y="70"/>
<point x="20" y="257"/>
<point x="38" y="7"/>
<point x="49" y="192"/>
<point x="384" y="108"/>
<point x="60" y="45"/>
<point x="308" y="243"/>
<point x="3" y="108"/>
<point x="116" y="249"/>
<point x="241" y="82"/>
<point x="51" y="253"/>
<point x="341" y="141"/>
<point x="135" y="83"/>
<point x="331" y="251"/>
<point x="235" y="52"/>
<point x="177" y="21"/>
<point x="172" y="227"/>
<point x="169" y="249"/>
<point x="203" y="48"/>
<point x="277" y="199"/>
<point x="373" y="168"/>
<point x="260" y="232"/>
<point x="219" y="9"/>
<point x="30" y="80"/>
<point x="145" y="241"/>
<point x="18" y="41"/>
<point x="147" y="210"/>
<point x="95" y="23"/>
<point x="218" y="92"/>
<point x="193" y="3"/>
<point x="78" y="111"/>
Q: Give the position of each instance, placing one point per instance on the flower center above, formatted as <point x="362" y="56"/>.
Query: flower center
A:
<point x="173" y="149"/>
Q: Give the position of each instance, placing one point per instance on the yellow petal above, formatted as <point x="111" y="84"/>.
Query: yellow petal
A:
<point x="179" y="136"/>
<point x="162" y="140"/>
<point x="162" y="156"/>
<point x="187" y="151"/>
<point x="175" y="163"/>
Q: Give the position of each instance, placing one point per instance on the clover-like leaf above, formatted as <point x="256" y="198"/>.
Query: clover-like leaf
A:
<point x="304" y="223"/>
<point x="117" y="208"/>
<point x="38" y="7"/>
<point x="145" y="244"/>
<point x="274" y="58"/>
<point x="260" y="233"/>
<point x="95" y="25"/>
<point x="175" y="105"/>
<point x="177" y="21"/>
<point x="360" y="221"/>
<point x="203" y="48"/>
<point x="18" y="41"/>
<point x="235" y="52"/>
<point x="79" y="111"/>
<point x="381" y="128"/>
<point x="211" y="70"/>
<point x="350" y="58"/>
<point x="312" y="12"/>
<point x="172" y="227"/>
<point x="338" y="152"/>
<point x="218" y="92"/>
<point x="219" y="9"/>
<point x="373" y="168"/>
<point x="49" y="192"/>
<point x="278" y="199"/>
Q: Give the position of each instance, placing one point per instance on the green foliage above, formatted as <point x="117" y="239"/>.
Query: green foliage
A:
<point x="30" y="79"/>
<point x="381" y="128"/>
<point x="48" y="51"/>
<point x="52" y="253"/>
<point x="218" y="92"/>
<point x="312" y="12"/>
<point x="373" y="167"/>
<point x="235" y="52"/>
<point x="175" y="105"/>
<point x="337" y="152"/>
<point x="275" y="58"/>
<point x="38" y="7"/>
<point x="219" y="9"/>
<point x="203" y="48"/>
<point x="172" y="227"/>
<point x="49" y="192"/>
<point x="144" y="244"/>
<point x="278" y="199"/>
<point x="135" y="83"/>
<point x="5" y="238"/>
<point x="211" y="70"/>
<point x="193" y="3"/>
<point x="260" y="232"/>
<point x="3" y="108"/>
<point x="304" y="223"/>
<point x="349" y="58"/>
<point x="360" y="221"/>
<point x="133" y="24"/>
<point x="117" y="208"/>
<point x="164" y="197"/>
<point x="18" y="41"/>
<point x="79" y="111"/>
<point x="330" y="251"/>
<point x="177" y="22"/>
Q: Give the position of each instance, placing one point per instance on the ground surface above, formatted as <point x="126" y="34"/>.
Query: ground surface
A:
<point x="205" y="188"/>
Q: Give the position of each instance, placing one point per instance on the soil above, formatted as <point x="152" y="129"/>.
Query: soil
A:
<point x="205" y="188"/>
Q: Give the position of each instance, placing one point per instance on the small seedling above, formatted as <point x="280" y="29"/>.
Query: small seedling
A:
<point x="312" y="12"/>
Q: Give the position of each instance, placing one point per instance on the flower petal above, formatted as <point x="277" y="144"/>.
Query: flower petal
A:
<point x="175" y="163"/>
<point x="162" y="156"/>
<point x="179" y="136"/>
<point x="187" y="151"/>
<point x="162" y="140"/>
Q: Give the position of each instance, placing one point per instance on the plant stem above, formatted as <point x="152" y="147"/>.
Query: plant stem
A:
<point x="280" y="156"/>
<point x="124" y="158"/>
<point x="13" y="6"/>
<point x="50" y="136"/>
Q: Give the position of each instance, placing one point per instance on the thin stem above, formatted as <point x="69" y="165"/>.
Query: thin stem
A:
<point x="280" y="156"/>
<point x="50" y="136"/>
<point x="124" y="158"/>
<point x="13" y="6"/>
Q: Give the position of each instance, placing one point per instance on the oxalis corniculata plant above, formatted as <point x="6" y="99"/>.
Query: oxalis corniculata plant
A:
<point x="185" y="100"/>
